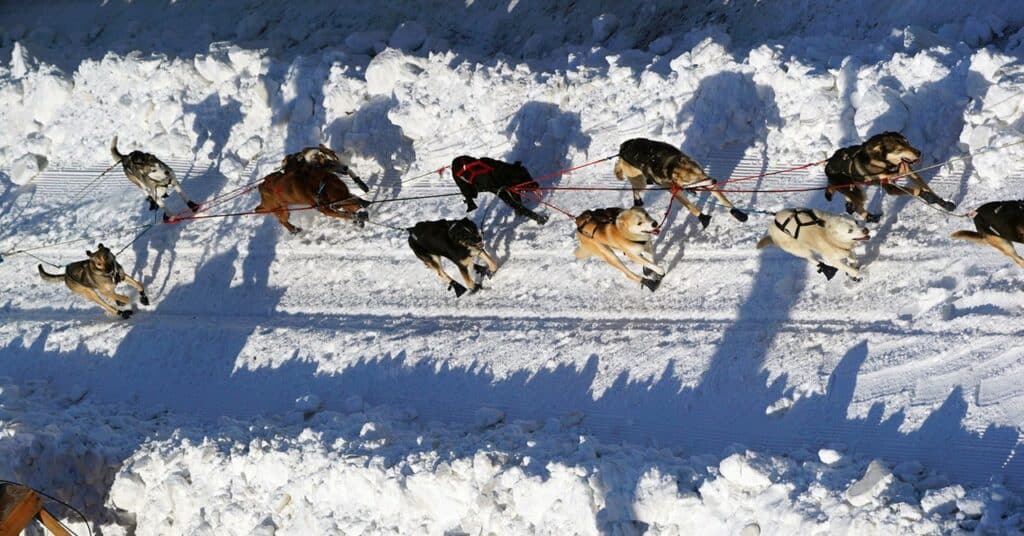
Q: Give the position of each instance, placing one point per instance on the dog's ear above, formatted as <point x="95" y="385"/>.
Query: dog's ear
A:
<point x="88" y="253"/>
<point x="99" y="246"/>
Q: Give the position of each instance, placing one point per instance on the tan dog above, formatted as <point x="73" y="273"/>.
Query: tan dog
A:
<point x="642" y="162"/>
<point x="321" y="157"/>
<point x="999" y="224"/>
<point x="96" y="278"/>
<point x="308" y="187"/>
<point x="884" y="157"/>
<point x="819" y="236"/>
<point x="602" y="232"/>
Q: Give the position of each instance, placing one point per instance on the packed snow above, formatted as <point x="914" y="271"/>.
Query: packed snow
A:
<point x="327" y="383"/>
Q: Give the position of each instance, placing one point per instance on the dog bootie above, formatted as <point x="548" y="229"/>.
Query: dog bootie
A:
<point x="541" y="219"/>
<point x="873" y="218"/>
<point x="705" y="219"/>
<point x="651" y="284"/>
<point x="194" y="207"/>
<point x="828" y="195"/>
<point x="470" y="206"/>
<point x="738" y="214"/>
<point x="482" y="270"/>
<point x="152" y="203"/>
<point x="459" y="289"/>
<point x="143" y="299"/>
<point x="125" y="315"/>
<point x="638" y="202"/>
<point x="849" y="208"/>
<point x="829" y="271"/>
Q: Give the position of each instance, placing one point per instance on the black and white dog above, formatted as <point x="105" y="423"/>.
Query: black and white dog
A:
<point x="475" y="175"/>
<point x="151" y="175"/>
<point x="459" y="241"/>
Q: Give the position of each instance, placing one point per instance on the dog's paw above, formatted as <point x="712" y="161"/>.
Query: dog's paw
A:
<point x="705" y="219"/>
<point x="638" y="202"/>
<point x="948" y="206"/>
<point x="850" y="209"/>
<point x="458" y="288"/>
<point x="738" y="214"/>
<point x="828" y="271"/>
<point x="650" y="284"/>
<point x="470" y="206"/>
<point x="194" y="207"/>
<point x="482" y="270"/>
<point x="126" y="314"/>
<point x="143" y="299"/>
<point x="828" y="195"/>
<point x="152" y="204"/>
<point x="541" y="219"/>
<point x="873" y="218"/>
<point x="359" y="182"/>
<point x="295" y="230"/>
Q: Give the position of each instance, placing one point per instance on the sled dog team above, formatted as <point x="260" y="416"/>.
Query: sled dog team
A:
<point x="311" y="178"/>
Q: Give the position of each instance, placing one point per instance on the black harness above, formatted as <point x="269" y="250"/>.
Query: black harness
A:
<point x="844" y="167"/>
<point x="802" y="218"/>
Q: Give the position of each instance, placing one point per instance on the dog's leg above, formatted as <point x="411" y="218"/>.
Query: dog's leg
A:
<point x="176" y="186"/>
<point x="282" y="213"/>
<point x="704" y="219"/>
<point x="857" y="199"/>
<point x="93" y="296"/>
<point x="516" y="202"/>
<point x="491" y="264"/>
<point x="130" y="281"/>
<point x="840" y="261"/>
<point x="464" y="271"/>
<point x="640" y="257"/>
<point x="1005" y="247"/>
<point x="637" y="182"/>
<point x="733" y="211"/>
<point x="611" y="258"/>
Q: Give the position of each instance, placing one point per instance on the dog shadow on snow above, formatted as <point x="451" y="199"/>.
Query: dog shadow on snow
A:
<point x="716" y="101"/>
<point x="213" y="123"/>
<point x="545" y="138"/>
<point x="937" y="136"/>
<point x="158" y="362"/>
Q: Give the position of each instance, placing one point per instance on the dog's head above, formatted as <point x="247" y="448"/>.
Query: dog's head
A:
<point x="687" y="172"/>
<point x="891" y="148"/>
<point x="845" y="230"/>
<point x="466" y="234"/>
<point x="636" y="222"/>
<point x="102" y="259"/>
<point x="319" y="157"/>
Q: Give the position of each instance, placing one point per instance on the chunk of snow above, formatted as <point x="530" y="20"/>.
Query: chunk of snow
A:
<point x="875" y="481"/>
<point x="738" y="470"/>
<point x="27" y="167"/>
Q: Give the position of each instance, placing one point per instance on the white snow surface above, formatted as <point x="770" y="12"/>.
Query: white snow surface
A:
<point x="326" y="383"/>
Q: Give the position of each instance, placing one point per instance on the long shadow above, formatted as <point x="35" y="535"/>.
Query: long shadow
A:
<point x="544" y="136"/>
<point x="936" y="134"/>
<point x="716" y="102"/>
<point x="369" y="133"/>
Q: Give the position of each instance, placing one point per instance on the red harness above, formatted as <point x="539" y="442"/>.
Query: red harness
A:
<point x="474" y="169"/>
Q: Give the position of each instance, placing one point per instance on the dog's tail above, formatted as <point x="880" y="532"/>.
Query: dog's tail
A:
<point x="973" y="236"/>
<point x="765" y="242"/>
<point x="48" y="276"/>
<point x="114" y="152"/>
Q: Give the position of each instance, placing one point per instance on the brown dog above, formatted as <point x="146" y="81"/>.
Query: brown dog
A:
<point x="643" y="162"/>
<point x="96" y="278"/>
<point x="884" y="157"/>
<point x="602" y="232"/>
<point x="312" y="188"/>
<point x="998" y="224"/>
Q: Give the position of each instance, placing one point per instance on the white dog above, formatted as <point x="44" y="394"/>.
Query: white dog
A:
<point x="817" y="236"/>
